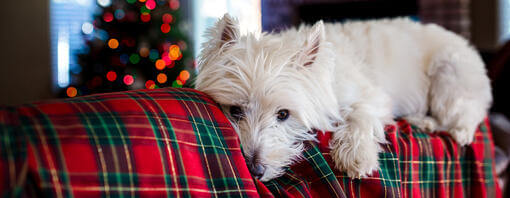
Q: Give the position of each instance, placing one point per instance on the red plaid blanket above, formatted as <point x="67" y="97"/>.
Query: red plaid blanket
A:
<point x="160" y="143"/>
<point x="177" y="143"/>
<point x="413" y="164"/>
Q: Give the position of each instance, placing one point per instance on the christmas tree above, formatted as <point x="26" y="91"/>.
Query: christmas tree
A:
<point x="133" y="44"/>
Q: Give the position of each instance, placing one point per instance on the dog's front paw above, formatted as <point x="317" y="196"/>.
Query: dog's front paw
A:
<point x="425" y="123"/>
<point x="357" y="160"/>
<point x="463" y="136"/>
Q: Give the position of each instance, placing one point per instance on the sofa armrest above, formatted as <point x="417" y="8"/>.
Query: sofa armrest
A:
<point x="147" y="143"/>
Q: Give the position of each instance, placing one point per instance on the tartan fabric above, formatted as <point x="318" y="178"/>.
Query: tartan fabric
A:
<point x="413" y="164"/>
<point x="177" y="143"/>
<point x="148" y="143"/>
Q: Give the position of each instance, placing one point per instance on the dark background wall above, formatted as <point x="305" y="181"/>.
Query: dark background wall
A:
<point x="25" y="66"/>
<point x="281" y="14"/>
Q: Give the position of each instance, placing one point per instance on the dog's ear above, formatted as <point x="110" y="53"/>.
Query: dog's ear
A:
<point x="230" y="29"/>
<point x="220" y="36"/>
<point x="312" y="44"/>
<point x="225" y="32"/>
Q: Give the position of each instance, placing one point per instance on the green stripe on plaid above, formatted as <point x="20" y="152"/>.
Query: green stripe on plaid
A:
<point x="213" y="145"/>
<point x="12" y="152"/>
<point x="160" y="125"/>
<point x="116" y="137"/>
<point x="94" y="124"/>
<point x="389" y="169"/>
<point x="45" y="135"/>
<point x="207" y="137"/>
<point x="321" y="167"/>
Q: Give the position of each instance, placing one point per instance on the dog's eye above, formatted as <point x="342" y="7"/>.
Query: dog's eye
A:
<point x="236" y="112"/>
<point x="282" y="115"/>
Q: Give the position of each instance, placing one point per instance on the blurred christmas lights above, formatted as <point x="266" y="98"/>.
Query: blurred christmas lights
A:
<point x="87" y="28"/>
<point x="108" y="17"/>
<point x="134" y="58"/>
<point x="144" y="52"/>
<point x="150" y="84"/>
<point x="124" y="58"/>
<point x="177" y="84"/>
<point x="167" y="18"/>
<point x="119" y="14"/>
<point x="111" y="76"/>
<point x="160" y="64"/>
<point x="150" y="4"/>
<point x="174" y="4"/>
<point x="104" y="3"/>
<point x="174" y="52"/>
<point x="184" y="75"/>
<point x="71" y="92"/>
<point x="145" y="17"/>
<point x="113" y="43"/>
<point x="128" y="79"/>
<point x="165" y="28"/>
<point x="132" y="54"/>
<point x="154" y="54"/>
<point x="162" y="78"/>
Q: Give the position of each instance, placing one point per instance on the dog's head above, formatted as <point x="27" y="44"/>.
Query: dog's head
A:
<point x="274" y="88"/>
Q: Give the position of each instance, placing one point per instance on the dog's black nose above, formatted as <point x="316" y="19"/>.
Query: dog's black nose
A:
<point x="257" y="170"/>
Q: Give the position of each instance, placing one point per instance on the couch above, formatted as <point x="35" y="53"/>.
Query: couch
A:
<point x="177" y="143"/>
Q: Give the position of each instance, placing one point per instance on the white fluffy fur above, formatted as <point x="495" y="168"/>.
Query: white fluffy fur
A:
<point x="350" y="78"/>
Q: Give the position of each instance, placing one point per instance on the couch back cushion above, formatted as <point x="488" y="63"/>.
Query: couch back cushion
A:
<point x="164" y="142"/>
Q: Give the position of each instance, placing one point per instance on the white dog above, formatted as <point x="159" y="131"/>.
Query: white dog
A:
<point x="350" y="78"/>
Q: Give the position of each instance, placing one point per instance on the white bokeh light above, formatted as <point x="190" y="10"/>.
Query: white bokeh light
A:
<point x="63" y="57"/>
<point x="87" y="28"/>
<point x="104" y="3"/>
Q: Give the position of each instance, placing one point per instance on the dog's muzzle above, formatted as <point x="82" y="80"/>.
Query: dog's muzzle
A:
<point x="257" y="170"/>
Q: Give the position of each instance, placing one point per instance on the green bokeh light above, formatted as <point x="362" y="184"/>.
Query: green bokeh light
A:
<point x="134" y="58"/>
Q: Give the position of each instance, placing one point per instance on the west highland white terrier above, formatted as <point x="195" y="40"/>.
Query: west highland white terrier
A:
<point x="350" y="78"/>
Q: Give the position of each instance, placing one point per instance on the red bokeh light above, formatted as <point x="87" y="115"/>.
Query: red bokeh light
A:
<point x="150" y="4"/>
<point x="165" y="28"/>
<point x="150" y="84"/>
<point x="167" y="18"/>
<point x="111" y="76"/>
<point x="128" y="79"/>
<point x="166" y="59"/>
<point x="174" y="4"/>
<point x="108" y="17"/>
<point x="145" y="17"/>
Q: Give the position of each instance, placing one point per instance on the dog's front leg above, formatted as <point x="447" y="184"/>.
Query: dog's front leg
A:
<point x="355" y="145"/>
